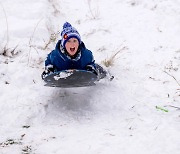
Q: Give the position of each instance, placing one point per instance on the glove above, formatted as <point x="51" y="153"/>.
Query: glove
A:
<point x="48" y="69"/>
<point x="91" y="69"/>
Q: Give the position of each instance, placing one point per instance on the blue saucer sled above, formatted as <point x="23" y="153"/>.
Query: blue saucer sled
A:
<point x="71" y="78"/>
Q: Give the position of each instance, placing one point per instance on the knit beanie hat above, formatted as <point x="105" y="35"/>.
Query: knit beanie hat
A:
<point x="69" y="32"/>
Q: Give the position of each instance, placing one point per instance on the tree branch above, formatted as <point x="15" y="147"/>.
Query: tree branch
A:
<point x="172" y="77"/>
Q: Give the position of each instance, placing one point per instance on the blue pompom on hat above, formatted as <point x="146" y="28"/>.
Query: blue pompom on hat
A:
<point x="69" y="32"/>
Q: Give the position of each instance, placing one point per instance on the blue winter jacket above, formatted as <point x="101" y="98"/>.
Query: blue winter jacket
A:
<point x="61" y="61"/>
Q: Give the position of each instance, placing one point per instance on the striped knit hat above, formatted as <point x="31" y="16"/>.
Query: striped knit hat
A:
<point x="69" y="32"/>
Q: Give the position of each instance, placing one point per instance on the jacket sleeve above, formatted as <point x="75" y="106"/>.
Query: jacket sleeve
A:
<point x="48" y="60"/>
<point x="91" y="61"/>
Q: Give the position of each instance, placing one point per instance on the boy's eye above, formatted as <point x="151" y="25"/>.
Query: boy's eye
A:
<point x="72" y="41"/>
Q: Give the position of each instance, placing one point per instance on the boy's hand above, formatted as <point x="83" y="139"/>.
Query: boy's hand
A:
<point x="91" y="69"/>
<point x="48" y="69"/>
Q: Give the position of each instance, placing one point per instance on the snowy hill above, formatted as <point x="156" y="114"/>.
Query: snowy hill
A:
<point x="137" y="112"/>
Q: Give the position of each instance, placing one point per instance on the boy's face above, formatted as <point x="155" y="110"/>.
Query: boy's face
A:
<point x="72" y="46"/>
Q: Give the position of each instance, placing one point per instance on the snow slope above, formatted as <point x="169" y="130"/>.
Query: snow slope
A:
<point x="127" y="115"/>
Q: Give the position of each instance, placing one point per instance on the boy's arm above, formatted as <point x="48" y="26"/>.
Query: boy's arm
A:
<point x="48" y="67"/>
<point x="92" y="66"/>
<point x="48" y="60"/>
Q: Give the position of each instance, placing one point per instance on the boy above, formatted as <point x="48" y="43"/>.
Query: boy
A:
<point x="69" y="53"/>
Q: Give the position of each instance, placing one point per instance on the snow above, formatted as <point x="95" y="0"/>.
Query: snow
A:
<point x="126" y="115"/>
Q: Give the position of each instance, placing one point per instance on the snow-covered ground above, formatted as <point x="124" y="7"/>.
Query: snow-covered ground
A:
<point x="138" y="112"/>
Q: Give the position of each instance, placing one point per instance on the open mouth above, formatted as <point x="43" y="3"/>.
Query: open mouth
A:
<point x="72" y="49"/>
